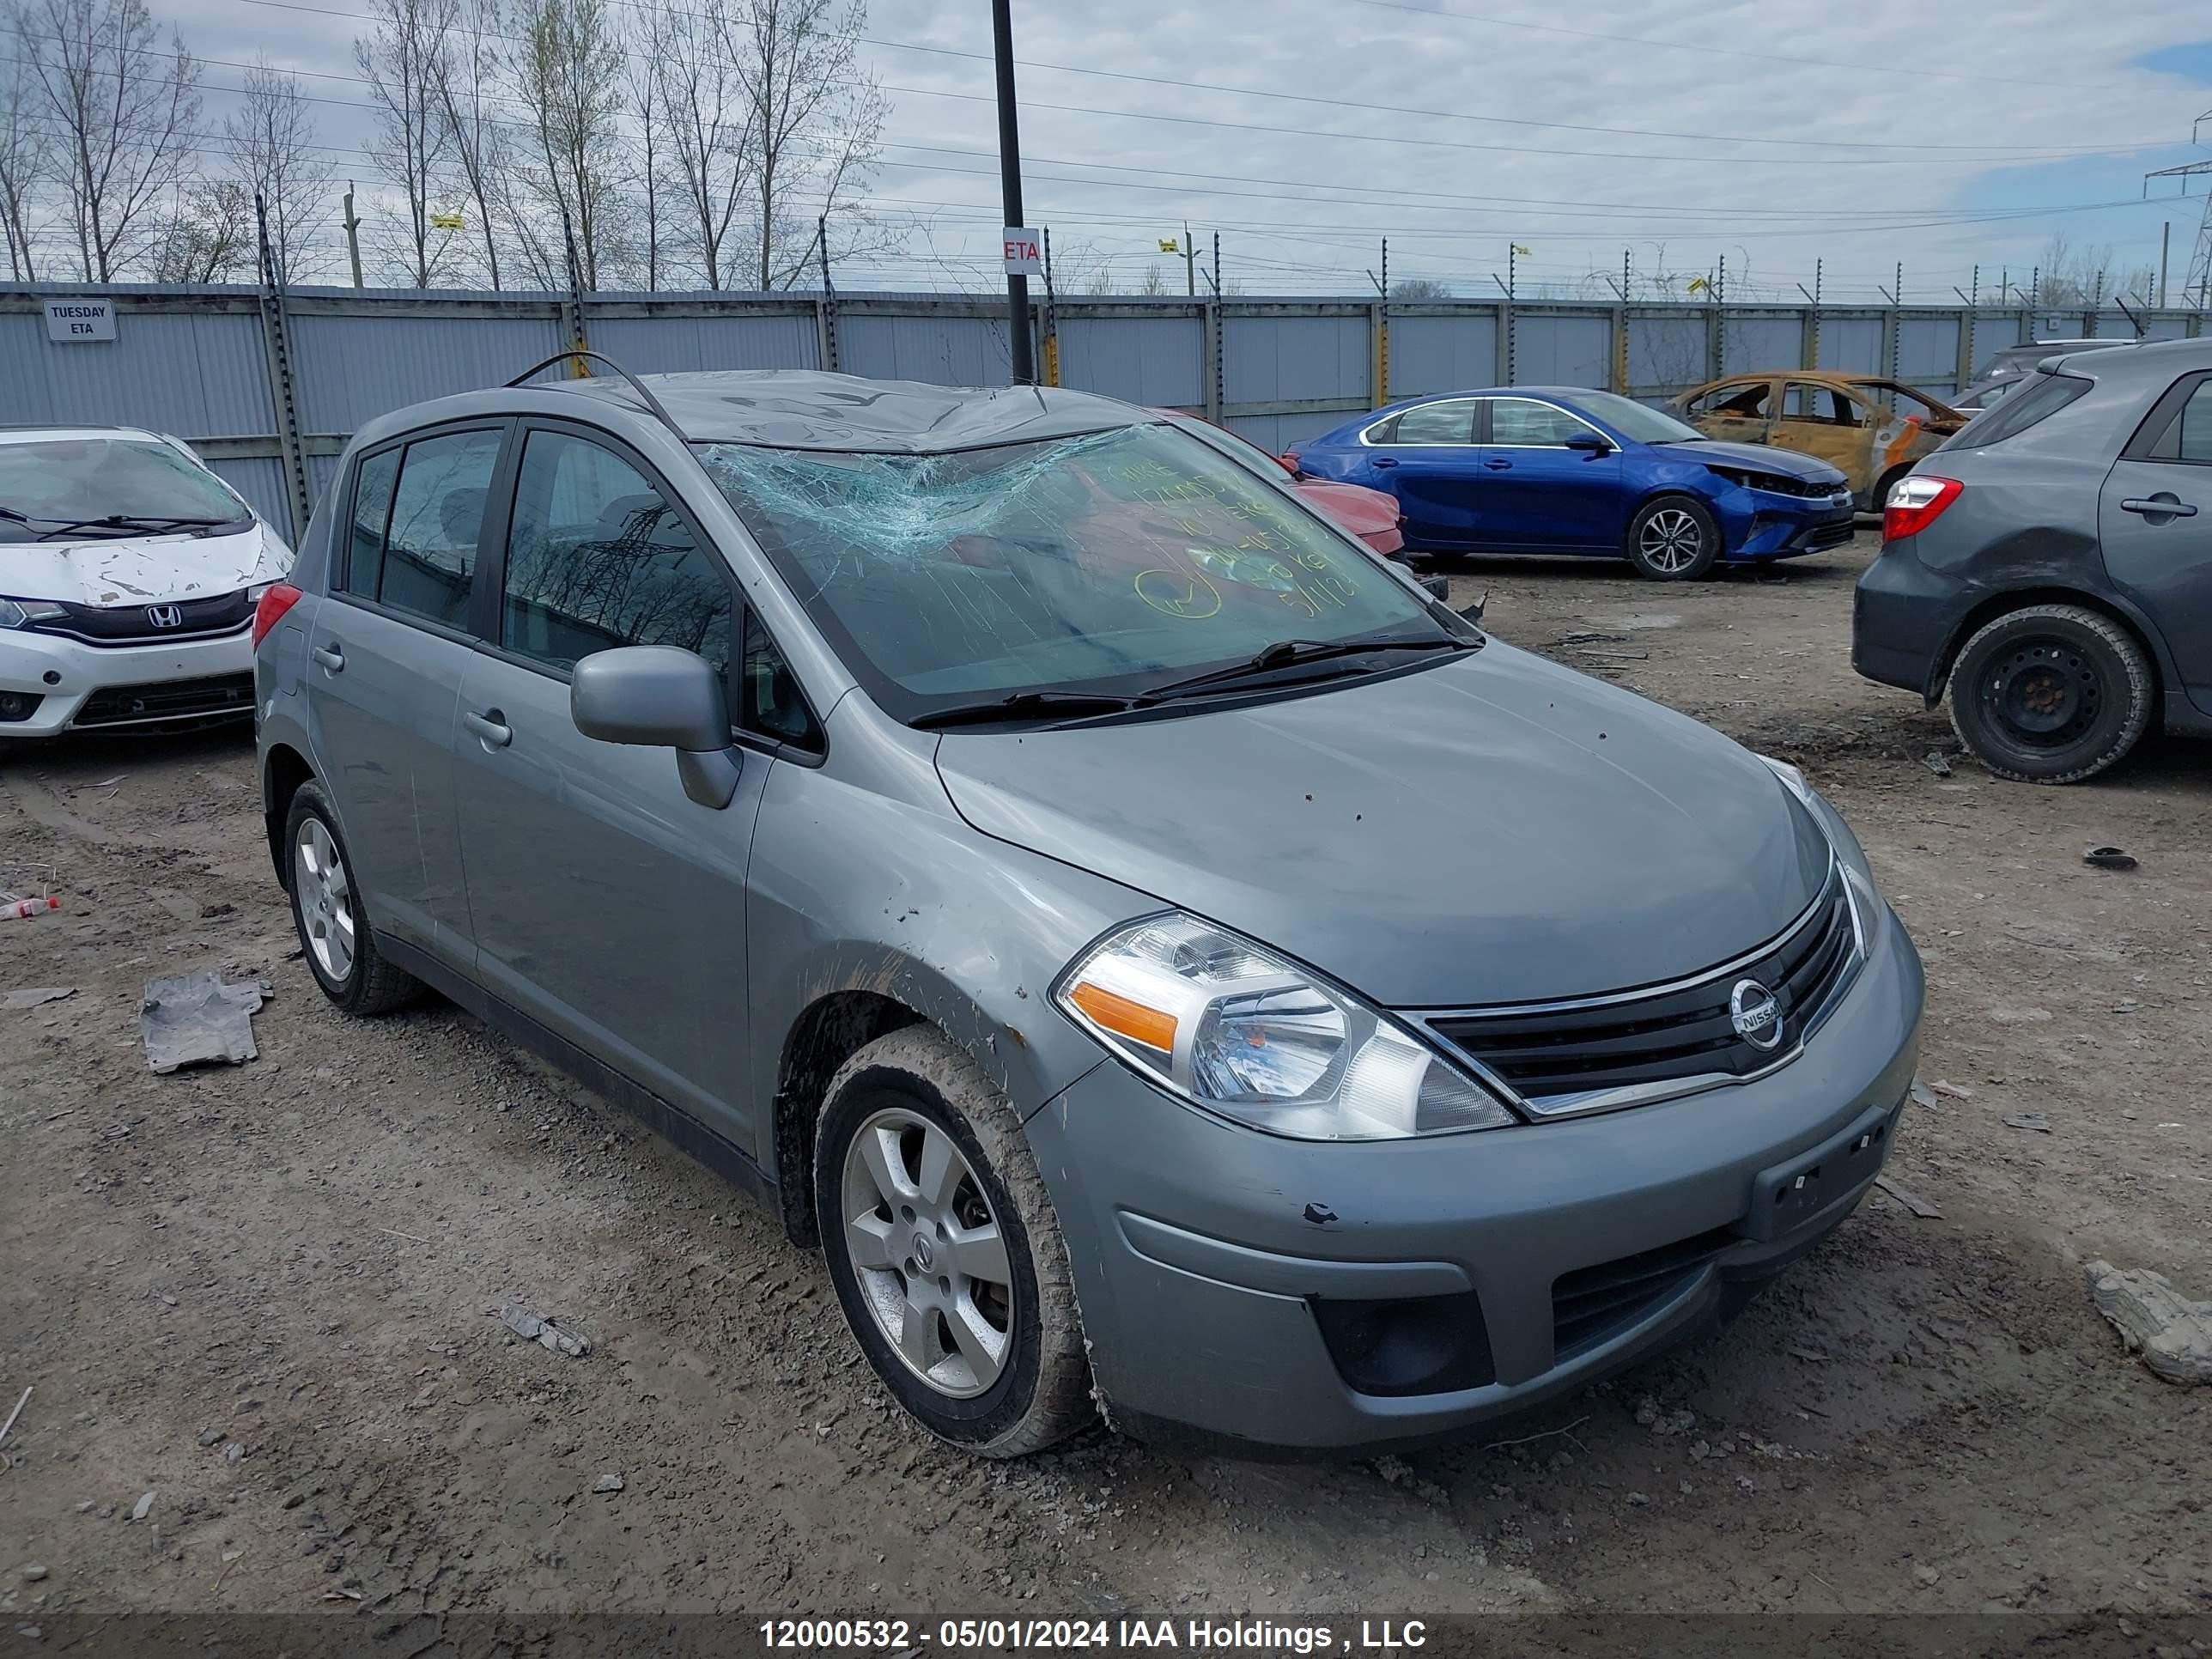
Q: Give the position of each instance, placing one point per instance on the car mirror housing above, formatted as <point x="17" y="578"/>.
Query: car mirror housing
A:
<point x="1593" y="443"/>
<point x="659" y="697"/>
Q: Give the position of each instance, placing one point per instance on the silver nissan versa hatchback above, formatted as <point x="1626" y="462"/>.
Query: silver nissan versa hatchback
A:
<point x="1174" y="968"/>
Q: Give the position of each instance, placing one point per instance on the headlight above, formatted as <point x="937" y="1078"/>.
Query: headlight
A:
<point x="1850" y="857"/>
<point x="1233" y="1028"/>
<point x="20" y="613"/>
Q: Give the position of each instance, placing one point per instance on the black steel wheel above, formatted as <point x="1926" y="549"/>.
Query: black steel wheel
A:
<point x="2051" y="694"/>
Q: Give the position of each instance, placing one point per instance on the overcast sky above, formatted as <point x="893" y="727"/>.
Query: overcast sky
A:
<point x="1942" y="133"/>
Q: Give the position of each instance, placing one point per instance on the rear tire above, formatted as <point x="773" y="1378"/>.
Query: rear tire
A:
<point x="957" y="1286"/>
<point x="1674" y="540"/>
<point x="2051" y="694"/>
<point x="326" y="909"/>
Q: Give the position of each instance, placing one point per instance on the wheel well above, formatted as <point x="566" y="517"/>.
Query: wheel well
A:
<point x="2019" y="599"/>
<point x="829" y="1033"/>
<point x="286" y="772"/>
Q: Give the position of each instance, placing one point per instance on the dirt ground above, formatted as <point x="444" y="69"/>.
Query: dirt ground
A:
<point x="266" y="1295"/>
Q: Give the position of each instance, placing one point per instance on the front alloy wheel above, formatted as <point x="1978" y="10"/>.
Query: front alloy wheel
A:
<point x="929" y="1254"/>
<point x="1674" y="540"/>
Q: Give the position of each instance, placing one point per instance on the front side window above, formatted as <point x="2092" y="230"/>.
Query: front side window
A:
<point x="2188" y="435"/>
<point x="1109" y="563"/>
<point x="429" y="559"/>
<point x="597" y="558"/>
<point x="1526" y="424"/>
<point x="1737" y="403"/>
<point x="58" y="487"/>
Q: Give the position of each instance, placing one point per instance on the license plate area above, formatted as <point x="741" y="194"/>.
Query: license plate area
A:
<point x="1787" y="1195"/>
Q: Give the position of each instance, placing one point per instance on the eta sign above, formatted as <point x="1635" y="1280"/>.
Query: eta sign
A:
<point x="1023" y="257"/>
<point x="70" y="322"/>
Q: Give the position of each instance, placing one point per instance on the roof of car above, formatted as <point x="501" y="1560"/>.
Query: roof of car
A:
<point x="52" y="431"/>
<point x="804" y="408"/>
<point x="2151" y="359"/>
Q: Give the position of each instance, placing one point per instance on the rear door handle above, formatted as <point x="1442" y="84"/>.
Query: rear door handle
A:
<point x="2161" y="505"/>
<point x="330" y="657"/>
<point x="1383" y="461"/>
<point x="491" y="725"/>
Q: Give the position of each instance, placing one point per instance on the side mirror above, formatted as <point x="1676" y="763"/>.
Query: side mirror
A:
<point x="1437" y="587"/>
<point x="658" y="697"/>
<point x="1591" y="443"/>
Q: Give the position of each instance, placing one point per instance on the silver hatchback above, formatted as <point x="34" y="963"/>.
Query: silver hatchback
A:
<point x="1172" y="966"/>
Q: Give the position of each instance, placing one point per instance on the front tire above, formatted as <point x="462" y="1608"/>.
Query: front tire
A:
<point x="1674" y="540"/>
<point x="326" y="909"/>
<point x="2051" y="694"/>
<point x="945" y="1249"/>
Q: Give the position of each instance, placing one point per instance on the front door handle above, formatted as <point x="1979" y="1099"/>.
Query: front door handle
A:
<point x="330" y="657"/>
<point x="2161" y="507"/>
<point x="1498" y="463"/>
<point x="1381" y="461"/>
<point x="490" y="726"/>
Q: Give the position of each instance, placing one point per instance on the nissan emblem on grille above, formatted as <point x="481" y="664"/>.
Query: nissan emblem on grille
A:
<point x="165" y="616"/>
<point x="1756" y="1016"/>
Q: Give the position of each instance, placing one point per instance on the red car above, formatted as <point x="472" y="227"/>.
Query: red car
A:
<point x="1370" y="514"/>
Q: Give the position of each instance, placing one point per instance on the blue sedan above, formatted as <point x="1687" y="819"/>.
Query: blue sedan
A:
<point x="1557" y="470"/>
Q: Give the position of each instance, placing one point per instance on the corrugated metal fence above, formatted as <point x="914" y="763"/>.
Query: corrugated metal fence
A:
<point x="198" y="362"/>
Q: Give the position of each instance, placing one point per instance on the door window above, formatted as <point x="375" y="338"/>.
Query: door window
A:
<point x="596" y="558"/>
<point x="772" y="706"/>
<point x="1822" y="405"/>
<point x="2188" y="435"/>
<point x="372" y="512"/>
<point x="1735" y="402"/>
<point x="428" y="564"/>
<point x="1526" y="424"/>
<point x="1436" y="423"/>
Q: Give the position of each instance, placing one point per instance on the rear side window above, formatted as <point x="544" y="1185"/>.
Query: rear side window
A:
<point x="1436" y="423"/>
<point x="2036" y="400"/>
<point x="2188" y="433"/>
<point x="418" y="512"/>
<point x="1821" y="404"/>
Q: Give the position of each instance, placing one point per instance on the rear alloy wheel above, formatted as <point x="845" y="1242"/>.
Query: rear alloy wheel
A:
<point x="1674" y="540"/>
<point x="326" y="909"/>
<point x="944" y="1250"/>
<point x="2051" y="694"/>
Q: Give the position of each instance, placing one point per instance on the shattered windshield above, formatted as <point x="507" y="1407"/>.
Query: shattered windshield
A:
<point x="1110" y="563"/>
<point x="65" y="480"/>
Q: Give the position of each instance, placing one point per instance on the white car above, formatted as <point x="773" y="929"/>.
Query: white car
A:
<point x="128" y="574"/>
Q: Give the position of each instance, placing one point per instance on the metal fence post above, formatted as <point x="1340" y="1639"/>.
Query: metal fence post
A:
<point x="1378" y="353"/>
<point x="276" y="358"/>
<point x="1212" y="354"/>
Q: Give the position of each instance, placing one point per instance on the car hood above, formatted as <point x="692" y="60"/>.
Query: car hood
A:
<point x="1492" y="829"/>
<point x="127" y="570"/>
<point x="1758" y="458"/>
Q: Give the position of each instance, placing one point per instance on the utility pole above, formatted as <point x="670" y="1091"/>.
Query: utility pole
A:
<point x="1217" y="264"/>
<point x="1190" y="263"/>
<point x="2165" y="246"/>
<point x="1010" y="179"/>
<point x="353" y="234"/>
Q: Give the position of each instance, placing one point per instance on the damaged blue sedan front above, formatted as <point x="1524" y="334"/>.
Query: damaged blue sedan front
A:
<point x="1558" y="469"/>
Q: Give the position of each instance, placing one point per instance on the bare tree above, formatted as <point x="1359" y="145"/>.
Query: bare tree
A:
<point x="26" y="153"/>
<point x="641" y="86"/>
<point x="403" y="60"/>
<point x="1419" y="287"/>
<point x="272" y="139"/>
<point x="705" y="111"/>
<point x="123" y="112"/>
<point x="208" y="235"/>
<point x="468" y="87"/>
<point x="568" y="75"/>
<point x="2085" y="277"/>
<point x="816" y="116"/>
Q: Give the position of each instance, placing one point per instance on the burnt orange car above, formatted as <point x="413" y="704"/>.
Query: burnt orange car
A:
<point x="1874" y="428"/>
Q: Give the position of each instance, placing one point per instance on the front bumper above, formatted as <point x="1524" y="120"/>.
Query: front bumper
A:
<point x="1207" y="1257"/>
<point x="1783" y="527"/>
<point x="120" y="687"/>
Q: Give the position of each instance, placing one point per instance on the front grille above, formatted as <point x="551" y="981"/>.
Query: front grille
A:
<point x="1558" y="1052"/>
<point x="134" y="624"/>
<point x="1592" y="1303"/>
<point x="1830" y="535"/>
<point x="177" y="700"/>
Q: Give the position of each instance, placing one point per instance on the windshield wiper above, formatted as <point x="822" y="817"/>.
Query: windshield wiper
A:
<point x="123" y="522"/>
<point x="1022" y="706"/>
<point x="1291" y="653"/>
